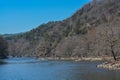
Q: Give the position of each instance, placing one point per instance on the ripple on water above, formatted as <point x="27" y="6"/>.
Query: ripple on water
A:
<point x="33" y="69"/>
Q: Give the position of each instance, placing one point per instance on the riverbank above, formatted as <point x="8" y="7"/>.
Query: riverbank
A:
<point x="111" y="65"/>
<point x="76" y="58"/>
<point x="108" y="64"/>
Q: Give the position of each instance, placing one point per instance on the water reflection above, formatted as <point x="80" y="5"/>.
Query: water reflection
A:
<point x="2" y="62"/>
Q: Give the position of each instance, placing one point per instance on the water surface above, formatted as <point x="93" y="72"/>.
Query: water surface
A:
<point x="33" y="69"/>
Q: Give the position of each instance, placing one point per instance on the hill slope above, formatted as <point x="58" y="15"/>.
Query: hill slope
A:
<point x="91" y="31"/>
<point x="3" y="48"/>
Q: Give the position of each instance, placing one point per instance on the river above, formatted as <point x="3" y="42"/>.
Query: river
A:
<point x="33" y="69"/>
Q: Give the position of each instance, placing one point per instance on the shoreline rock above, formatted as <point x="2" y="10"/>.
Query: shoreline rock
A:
<point x="112" y="65"/>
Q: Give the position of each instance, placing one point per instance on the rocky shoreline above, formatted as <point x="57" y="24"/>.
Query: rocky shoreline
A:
<point x="74" y="58"/>
<point x="111" y="65"/>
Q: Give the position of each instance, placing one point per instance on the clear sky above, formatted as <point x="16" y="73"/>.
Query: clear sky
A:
<point x="23" y="15"/>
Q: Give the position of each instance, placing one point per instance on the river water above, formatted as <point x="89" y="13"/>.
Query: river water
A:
<point x="33" y="69"/>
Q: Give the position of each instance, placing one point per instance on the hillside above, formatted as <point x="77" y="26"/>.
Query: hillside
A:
<point x="92" y="31"/>
<point x="3" y="48"/>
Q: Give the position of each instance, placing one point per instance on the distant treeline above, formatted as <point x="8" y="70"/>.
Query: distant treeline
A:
<point x="3" y="48"/>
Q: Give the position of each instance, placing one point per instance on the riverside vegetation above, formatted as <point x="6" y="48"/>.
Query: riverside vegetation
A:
<point x="93" y="31"/>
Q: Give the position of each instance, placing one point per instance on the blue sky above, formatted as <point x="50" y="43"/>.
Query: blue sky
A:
<point x="23" y="15"/>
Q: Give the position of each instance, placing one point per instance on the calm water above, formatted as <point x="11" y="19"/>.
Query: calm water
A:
<point x="32" y="69"/>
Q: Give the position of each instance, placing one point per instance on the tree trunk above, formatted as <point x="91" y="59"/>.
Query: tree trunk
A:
<point x="113" y="53"/>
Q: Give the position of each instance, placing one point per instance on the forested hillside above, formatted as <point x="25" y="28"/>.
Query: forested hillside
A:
<point x="3" y="48"/>
<point x="94" y="30"/>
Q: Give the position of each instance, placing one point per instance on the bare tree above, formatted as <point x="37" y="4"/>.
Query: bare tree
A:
<point x="110" y="36"/>
<point x="112" y="41"/>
